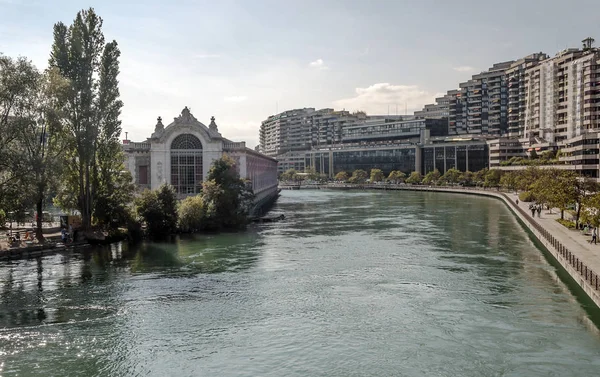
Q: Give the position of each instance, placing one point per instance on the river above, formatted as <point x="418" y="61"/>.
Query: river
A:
<point x="350" y="284"/>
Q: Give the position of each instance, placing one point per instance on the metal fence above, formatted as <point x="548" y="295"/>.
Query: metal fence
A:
<point x="585" y="272"/>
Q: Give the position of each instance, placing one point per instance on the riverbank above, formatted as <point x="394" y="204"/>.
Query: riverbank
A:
<point x="569" y="248"/>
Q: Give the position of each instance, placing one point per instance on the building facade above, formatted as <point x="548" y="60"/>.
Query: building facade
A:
<point x="182" y="154"/>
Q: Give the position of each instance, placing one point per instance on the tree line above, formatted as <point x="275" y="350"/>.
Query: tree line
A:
<point x="484" y="177"/>
<point x="551" y="186"/>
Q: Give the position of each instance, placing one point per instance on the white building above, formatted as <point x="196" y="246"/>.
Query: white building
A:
<point x="182" y="154"/>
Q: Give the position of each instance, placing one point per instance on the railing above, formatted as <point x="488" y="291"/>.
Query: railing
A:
<point x="587" y="273"/>
<point x="234" y="145"/>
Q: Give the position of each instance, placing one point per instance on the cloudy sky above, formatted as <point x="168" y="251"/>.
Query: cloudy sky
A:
<point x="242" y="60"/>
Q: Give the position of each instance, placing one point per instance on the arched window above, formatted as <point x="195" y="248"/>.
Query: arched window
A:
<point x="186" y="164"/>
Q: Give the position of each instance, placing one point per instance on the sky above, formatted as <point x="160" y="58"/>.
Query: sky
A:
<point x="242" y="61"/>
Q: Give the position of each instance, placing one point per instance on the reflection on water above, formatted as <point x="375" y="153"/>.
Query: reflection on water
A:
<point x="364" y="283"/>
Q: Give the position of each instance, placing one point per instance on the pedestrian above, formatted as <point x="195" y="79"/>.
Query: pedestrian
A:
<point x="594" y="236"/>
<point x="539" y="210"/>
<point x="63" y="235"/>
<point x="532" y="209"/>
<point x="517" y="201"/>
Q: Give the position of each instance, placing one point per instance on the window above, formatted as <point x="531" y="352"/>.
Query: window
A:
<point x="186" y="164"/>
<point x="143" y="175"/>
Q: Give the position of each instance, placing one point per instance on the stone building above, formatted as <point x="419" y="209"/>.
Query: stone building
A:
<point x="182" y="153"/>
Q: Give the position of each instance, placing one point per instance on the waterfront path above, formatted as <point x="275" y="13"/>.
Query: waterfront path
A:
<point x="578" y="243"/>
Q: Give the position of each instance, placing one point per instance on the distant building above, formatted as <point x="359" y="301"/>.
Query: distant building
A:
<point x="182" y="153"/>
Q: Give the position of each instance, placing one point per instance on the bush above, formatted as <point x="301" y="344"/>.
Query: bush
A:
<point x="526" y="196"/>
<point x="567" y="223"/>
<point x="191" y="214"/>
<point x="158" y="209"/>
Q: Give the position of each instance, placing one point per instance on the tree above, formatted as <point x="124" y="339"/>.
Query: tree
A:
<point x="466" y="178"/>
<point x="191" y="214"/>
<point x="451" y="176"/>
<point x="524" y="178"/>
<point x="311" y="174"/>
<point x="113" y="185"/>
<point x="42" y="143"/>
<point x="158" y="209"/>
<point x="492" y="178"/>
<point x="19" y="83"/>
<point x="479" y="177"/>
<point x="396" y="176"/>
<point x="415" y="178"/>
<point x="92" y="107"/>
<point x="376" y="175"/>
<point x="509" y="180"/>
<point x="289" y="175"/>
<point x="342" y="176"/>
<point x="432" y="177"/>
<point x="227" y="198"/>
<point x="359" y="176"/>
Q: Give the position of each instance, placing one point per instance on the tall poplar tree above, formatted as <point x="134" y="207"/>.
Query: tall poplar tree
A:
<point x="93" y="107"/>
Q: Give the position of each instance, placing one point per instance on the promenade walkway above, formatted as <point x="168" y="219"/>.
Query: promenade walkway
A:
<point x="574" y="240"/>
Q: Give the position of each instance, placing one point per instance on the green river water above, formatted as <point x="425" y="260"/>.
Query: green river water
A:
<point x="349" y="284"/>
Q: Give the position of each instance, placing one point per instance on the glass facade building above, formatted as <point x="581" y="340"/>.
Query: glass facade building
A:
<point x="472" y="156"/>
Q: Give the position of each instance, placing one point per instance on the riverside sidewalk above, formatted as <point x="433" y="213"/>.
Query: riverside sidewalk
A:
<point x="574" y="240"/>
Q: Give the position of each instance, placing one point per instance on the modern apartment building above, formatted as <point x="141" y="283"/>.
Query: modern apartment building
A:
<point x="535" y="103"/>
<point x="302" y="129"/>
<point x="517" y="93"/>
<point x="485" y="99"/>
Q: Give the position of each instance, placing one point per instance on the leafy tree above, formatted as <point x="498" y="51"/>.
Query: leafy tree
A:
<point x="492" y="178"/>
<point x="583" y="189"/>
<point x="312" y="174"/>
<point x="376" y="175"/>
<point x="227" y="198"/>
<point x="289" y="175"/>
<point x="524" y="178"/>
<point x="359" y="176"/>
<point x="113" y="198"/>
<point x="396" y="176"/>
<point x="19" y="83"/>
<point x="158" y="209"/>
<point x="451" y="176"/>
<point x="479" y="177"/>
<point x="342" y="176"/>
<point x="509" y="180"/>
<point x="432" y="177"/>
<point x="113" y="185"/>
<point x="92" y="108"/>
<point x="191" y="214"/>
<point x="415" y="178"/>
<point x="591" y="214"/>
<point x="466" y="178"/>
<point x="42" y="143"/>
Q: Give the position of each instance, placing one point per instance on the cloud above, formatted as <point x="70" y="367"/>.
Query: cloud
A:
<point x="464" y="68"/>
<point x="235" y="99"/>
<point x="207" y="56"/>
<point x="318" y="64"/>
<point x="383" y="97"/>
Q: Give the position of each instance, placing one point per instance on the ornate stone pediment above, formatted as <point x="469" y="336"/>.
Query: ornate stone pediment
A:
<point x="186" y="122"/>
